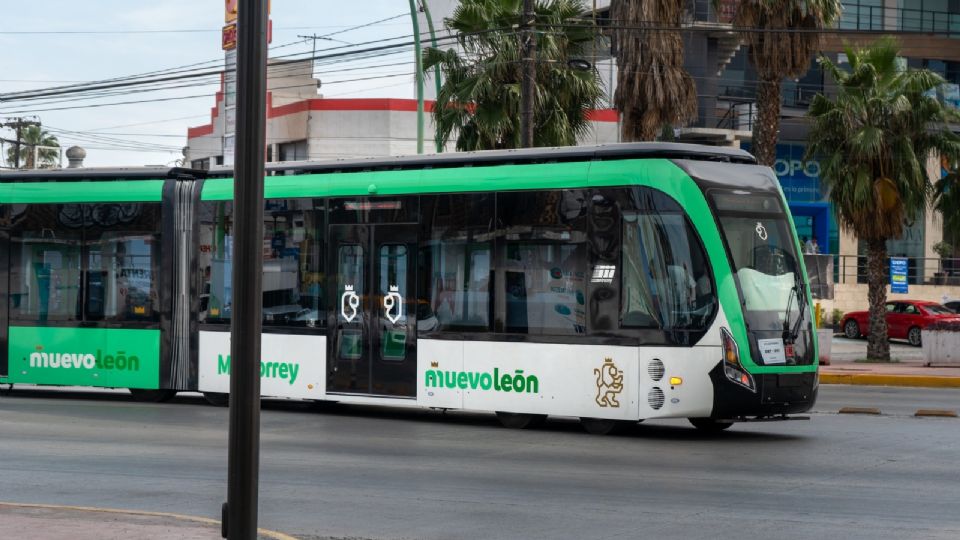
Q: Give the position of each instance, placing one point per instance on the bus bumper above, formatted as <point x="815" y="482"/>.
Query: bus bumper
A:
<point x="776" y="394"/>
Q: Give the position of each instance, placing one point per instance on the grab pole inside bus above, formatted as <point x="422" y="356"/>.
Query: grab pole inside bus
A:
<point x="243" y="463"/>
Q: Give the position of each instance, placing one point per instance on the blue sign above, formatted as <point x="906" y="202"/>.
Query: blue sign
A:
<point x="799" y="178"/>
<point x="898" y="275"/>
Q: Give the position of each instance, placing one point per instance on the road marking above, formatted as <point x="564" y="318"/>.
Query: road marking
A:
<point x="183" y="517"/>
<point x="942" y="413"/>
<point x="859" y="410"/>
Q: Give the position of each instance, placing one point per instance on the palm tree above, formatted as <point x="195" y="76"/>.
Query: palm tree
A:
<point x="653" y="89"/>
<point x="480" y="95"/>
<point x="32" y="137"/>
<point x="783" y="36"/>
<point x="873" y="140"/>
<point x="947" y="199"/>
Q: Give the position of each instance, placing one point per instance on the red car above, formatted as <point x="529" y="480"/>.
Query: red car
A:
<point x="905" y="319"/>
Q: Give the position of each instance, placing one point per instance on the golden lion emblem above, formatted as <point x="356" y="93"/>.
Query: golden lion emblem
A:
<point x="609" y="383"/>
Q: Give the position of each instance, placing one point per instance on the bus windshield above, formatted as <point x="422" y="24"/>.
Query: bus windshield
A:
<point x="764" y="258"/>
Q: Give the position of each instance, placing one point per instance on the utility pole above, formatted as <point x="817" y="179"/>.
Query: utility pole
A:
<point x="418" y="73"/>
<point x="239" y="514"/>
<point x="528" y="83"/>
<point x="17" y="124"/>
<point x="315" y="37"/>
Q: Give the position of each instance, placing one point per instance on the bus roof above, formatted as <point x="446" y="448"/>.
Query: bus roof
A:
<point x="515" y="156"/>
<point x="105" y="173"/>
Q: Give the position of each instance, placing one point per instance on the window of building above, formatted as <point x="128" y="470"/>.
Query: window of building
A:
<point x="293" y="151"/>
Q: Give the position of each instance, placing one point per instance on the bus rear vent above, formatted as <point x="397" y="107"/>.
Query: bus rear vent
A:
<point x="655" y="369"/>
<point x="655" y="398"/>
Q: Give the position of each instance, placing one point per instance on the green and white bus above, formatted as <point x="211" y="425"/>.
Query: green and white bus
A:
<point x="613" y="283"/>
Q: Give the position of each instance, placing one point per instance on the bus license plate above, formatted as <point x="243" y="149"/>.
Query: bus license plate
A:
<point x="771" y="350"/>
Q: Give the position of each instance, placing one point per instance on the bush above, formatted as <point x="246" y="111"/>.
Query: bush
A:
<point x="943" y="249"/>
<point x="945" y="326"/>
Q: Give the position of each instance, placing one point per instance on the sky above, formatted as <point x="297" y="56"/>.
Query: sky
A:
<point x="48" y="43"/>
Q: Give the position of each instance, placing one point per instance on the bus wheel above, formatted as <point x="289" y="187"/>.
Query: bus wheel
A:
<point x="709" y="424"/>
<point x="600" y="426"/>
<point x="323" y="405"/>
<point x="520" y="420"/>
<point x="217" y="399"/>
<point x="152" y="396"/>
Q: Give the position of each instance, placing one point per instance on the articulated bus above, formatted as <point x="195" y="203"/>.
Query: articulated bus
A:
<point x="614" y="283"/>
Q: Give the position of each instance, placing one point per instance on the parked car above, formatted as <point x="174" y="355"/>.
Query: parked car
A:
<point x="952" y="305"/>
<point x="905" y="320"/>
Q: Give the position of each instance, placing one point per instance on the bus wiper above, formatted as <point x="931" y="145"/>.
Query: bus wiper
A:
<point x="790" y="333"/>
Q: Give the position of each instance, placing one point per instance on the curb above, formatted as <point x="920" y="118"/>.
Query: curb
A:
<point x="859" y="410"/>
<point x="875" y="379"/>
<point x="939" y="413"/>
<point x="182" y="517"/>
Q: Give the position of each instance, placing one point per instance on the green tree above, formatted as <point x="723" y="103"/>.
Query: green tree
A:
<point x="783" y="36"/>
<point x="480" y="95"/>
<point x="31" y="137"/>
<point x="873" y="140"/>
<point x="947" y="200"/>
<point x="653" y="89"/>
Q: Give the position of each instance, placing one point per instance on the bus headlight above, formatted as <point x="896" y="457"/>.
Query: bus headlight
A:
<point x="731" y="362"/>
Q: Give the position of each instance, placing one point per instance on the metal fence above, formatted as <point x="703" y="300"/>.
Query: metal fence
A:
<point x="920" y="271"/>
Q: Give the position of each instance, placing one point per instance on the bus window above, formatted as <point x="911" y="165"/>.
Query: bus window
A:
<point x="121" y="280"/>
<point x="544" y="261"/>
<point x="45" y="269"/>
<point x="666" y="280"/>
<point x="455" y="260"/>
<point x="293" y="251"/>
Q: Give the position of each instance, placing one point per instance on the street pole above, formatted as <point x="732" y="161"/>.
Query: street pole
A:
<point x="243" y="463"/>
<point x="418" y="66"/>
<point x="16" y="152"/>
<point x="17" y="124"/>
<point x="528" y="82"/>
<point x="436" y="69"/>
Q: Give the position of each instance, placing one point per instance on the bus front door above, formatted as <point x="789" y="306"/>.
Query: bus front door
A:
<point x="373" y="335"/>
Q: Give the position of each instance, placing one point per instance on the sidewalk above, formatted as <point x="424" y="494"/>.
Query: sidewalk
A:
<point x="907" y="369"/>
<point x="43" y="522"/>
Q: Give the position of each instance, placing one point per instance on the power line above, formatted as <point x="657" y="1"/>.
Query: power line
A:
<point x="111" y="84"/>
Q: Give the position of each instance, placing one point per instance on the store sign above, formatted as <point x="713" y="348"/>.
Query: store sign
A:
<point x="898" y="275"/>
<point x="105" y="357"/>
<point x="230" y="10"/>
<point x="228" y="40"/>
<point x="799" y="178"/>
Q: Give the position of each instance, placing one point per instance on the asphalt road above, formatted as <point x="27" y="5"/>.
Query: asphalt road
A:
<point x="365" y="472"/>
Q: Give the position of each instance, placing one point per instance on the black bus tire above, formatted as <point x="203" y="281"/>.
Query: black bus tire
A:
<point x="602" y="426"/>
<point x="152" y="396"/>
<point x="710" y="425"/>
<point x="217" y="399"/>
<point x="520" y="420"/>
